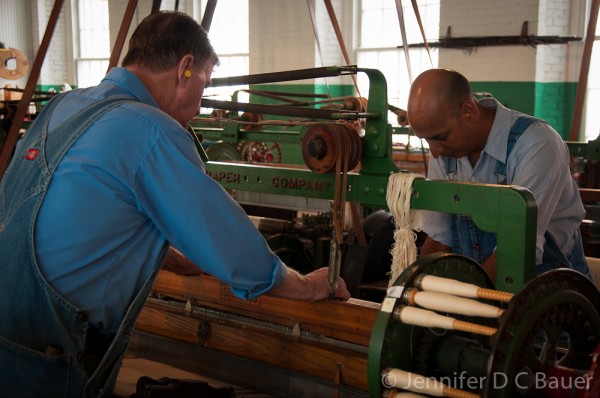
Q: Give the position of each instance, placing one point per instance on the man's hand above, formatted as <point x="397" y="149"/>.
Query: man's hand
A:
<point x="311" y="287"/>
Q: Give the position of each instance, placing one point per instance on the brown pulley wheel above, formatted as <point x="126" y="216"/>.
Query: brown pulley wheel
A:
<point x="365" y="104"/>
<point x="323" y="143"/>
<point x="252" y="118"/>
<point x="355" y="144"/>
<point x="320" y="148"/>
<point x="357" y="104"/>
<point x="220" y="113"/>
<point x="352" y="104"/>
<point x="402" y="117"/>
<point x="12" y="55"/>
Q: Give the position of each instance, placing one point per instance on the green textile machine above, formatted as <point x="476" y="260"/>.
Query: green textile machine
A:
<point x="541" y="325"/>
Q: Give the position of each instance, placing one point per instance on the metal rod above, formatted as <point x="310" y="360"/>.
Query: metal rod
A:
<point x="287" y="93"/>
<point x="155" y="6"/>
<point x="273" y="77"/>
<point x="338" y="34"/>
<point x="20" y="90"/>
<point x="209" y="12"/>
<point x="487" y="41"/>
<point x="282" y="110"/>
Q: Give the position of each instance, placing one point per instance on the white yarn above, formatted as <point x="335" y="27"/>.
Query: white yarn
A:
<point x="407" y="221"/>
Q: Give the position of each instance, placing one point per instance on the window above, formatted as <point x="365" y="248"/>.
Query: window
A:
<point x="228" y="33"/>
<point x="92" y="48"/>
<point x="380" y="43"/>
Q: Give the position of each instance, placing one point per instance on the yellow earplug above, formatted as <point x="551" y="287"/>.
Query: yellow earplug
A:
<point x="187" y="74"/>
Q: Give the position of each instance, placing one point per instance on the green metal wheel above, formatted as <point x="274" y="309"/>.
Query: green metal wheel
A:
<point x="553" y="321"/>
<point x="222" y="151"/>
<point x="407" y="347"/>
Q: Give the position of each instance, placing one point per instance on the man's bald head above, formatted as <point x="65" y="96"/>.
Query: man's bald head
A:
<point x="437" y="89"/>
<point x="441" y="109"/>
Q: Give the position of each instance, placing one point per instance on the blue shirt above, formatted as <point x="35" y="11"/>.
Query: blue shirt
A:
<point x="539" y="162"/>
<point x="131" y="182"/>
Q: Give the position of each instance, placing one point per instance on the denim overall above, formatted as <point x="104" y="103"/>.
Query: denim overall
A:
<point x="47" y="348"/>
<point x="472" y="242"/>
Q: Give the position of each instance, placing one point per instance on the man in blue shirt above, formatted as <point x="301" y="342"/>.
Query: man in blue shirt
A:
<point x="484" y="142"/>
<point x="100" y="185"/>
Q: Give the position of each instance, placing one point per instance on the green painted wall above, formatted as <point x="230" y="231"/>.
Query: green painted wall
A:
<point x="555" y="103"/>
<point x="552" y="102"/>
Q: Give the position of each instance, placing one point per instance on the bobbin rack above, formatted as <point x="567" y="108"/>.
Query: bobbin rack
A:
<point x="442" y="328"/>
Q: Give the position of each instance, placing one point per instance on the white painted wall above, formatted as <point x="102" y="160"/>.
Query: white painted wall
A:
<point x="489" y="18"/>
<point x="544" y="63"/>
<point x="282" y="36"/>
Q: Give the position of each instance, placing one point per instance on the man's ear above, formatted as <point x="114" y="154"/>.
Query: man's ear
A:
<point x="184" y="67"/>
<point x="469" y="109"/>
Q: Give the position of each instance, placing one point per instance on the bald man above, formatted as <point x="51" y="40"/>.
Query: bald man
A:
<point x="484" y="142"/>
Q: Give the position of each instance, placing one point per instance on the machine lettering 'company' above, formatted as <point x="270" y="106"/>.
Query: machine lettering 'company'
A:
<point x="300" y="184"/>
<point x="303" y="184"/>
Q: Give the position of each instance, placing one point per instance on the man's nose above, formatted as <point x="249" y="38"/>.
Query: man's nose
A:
<point x="435" y="149"/>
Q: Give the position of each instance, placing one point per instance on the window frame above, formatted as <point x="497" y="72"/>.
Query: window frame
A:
<point x="78" y="59"/>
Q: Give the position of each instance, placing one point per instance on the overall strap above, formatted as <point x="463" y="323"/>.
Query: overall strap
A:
<point x="467" y="238"/>
<point x="62" y="137"/>
<point x="451" y="164"/>
<point x="517" y="129"/>
<point x="39" y="152"/>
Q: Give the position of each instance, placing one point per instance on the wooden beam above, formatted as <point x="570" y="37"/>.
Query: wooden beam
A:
<point x="13" y="132"/>
<point x="350" y="321"/>
<point x="589" y="195"/>
<point x="584" y="71"/>
<point x="306" y="356"/>
<point x="122" y="35"/>
<point x="209" y="12"/>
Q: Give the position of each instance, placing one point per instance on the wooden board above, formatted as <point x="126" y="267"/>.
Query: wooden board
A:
<point x="308" y="356"/>
<point x="350" y="321"/>
<point x="326" y="339"/>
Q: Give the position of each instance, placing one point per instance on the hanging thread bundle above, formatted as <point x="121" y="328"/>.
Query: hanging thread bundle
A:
<point x="406" y="220"/>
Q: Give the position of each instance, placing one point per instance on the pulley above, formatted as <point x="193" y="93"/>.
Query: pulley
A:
<point x="324" y="144"/>
<point x="253" y="121"/>
<point x="222" y="151"/>
<point x="13" y="64"/>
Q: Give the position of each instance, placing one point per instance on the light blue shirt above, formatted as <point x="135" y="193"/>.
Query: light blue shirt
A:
<point x="539" y="162"/>
<point x="131" y="182"/>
